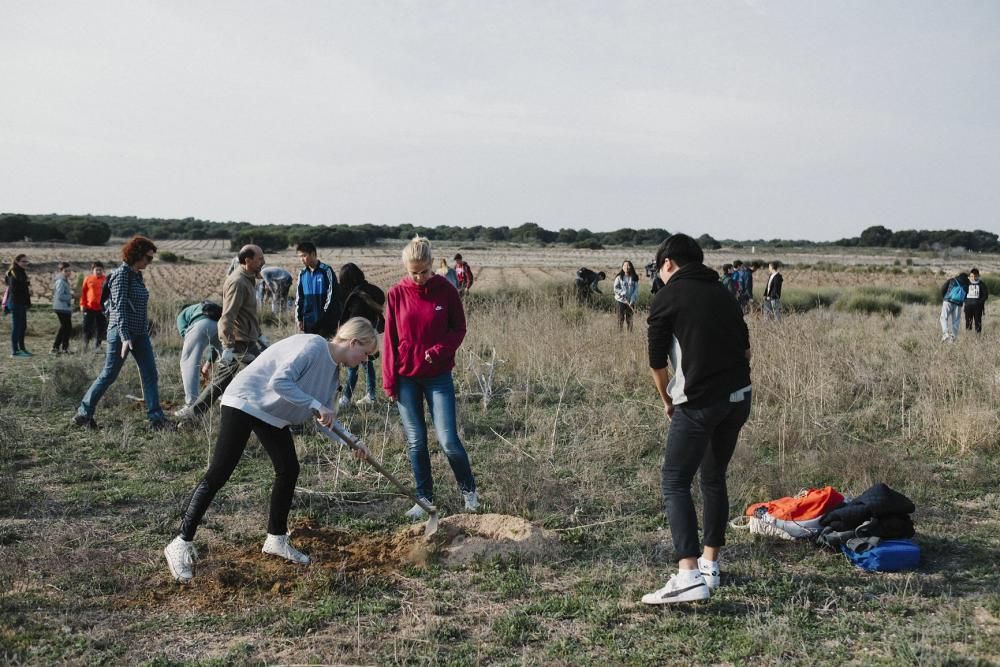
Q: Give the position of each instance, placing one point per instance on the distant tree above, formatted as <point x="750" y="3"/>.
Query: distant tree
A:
<point x="268" y="240"/>
<point x="87" y="232"/>
<point x="708" y="243"/>
<point x="876" y="236"/>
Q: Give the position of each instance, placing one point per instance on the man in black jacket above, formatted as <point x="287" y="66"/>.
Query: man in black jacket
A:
<point x="772" y="293"/>
<point x="698" y="326"/>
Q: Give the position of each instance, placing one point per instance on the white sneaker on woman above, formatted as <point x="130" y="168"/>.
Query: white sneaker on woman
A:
<point x="181" y="555"/>
<point x="471" y="500"/>
<point x="278" y="545"/>
<point x="709" y="572"/>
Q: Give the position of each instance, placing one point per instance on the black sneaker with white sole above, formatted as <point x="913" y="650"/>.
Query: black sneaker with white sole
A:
<point x="679" y="591"/>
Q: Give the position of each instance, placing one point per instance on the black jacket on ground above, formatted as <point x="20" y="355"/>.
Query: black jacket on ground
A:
<point x="696" y="324"/>
<point x="877" y="501"/>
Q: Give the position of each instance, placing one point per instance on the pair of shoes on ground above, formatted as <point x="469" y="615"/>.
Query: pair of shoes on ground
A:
<point x="472" y="504"/>
<point x="181" y="555"/>
<point x="83" y="421"/>
<point x="58" y="351"/>
<point x="687" y="585"/>
<point x="21" y="353"/>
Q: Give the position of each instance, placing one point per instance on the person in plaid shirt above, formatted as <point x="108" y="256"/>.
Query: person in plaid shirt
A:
<point x="128" y="331"/>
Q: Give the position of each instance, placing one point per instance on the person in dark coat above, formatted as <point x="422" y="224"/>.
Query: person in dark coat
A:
<point x="360" y="299"/>
<point x="17" y="303"/>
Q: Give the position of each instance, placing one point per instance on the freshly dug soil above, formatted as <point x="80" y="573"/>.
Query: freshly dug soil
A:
<point x="225" y="574"/>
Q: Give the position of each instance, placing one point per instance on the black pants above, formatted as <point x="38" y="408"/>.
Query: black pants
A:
<point x="702" y="438"/>
<point x="233" y="435"/>
<point x="95" y="325"/>
<point x="625" y="312"/>
<point x="65" y="331"/>
<point x="974" y="315"/>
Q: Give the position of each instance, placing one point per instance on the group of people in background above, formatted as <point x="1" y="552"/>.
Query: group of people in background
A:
<point x="964" y="290"/>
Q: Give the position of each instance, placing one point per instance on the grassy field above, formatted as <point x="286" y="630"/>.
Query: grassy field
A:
<point x="565" y="432"/>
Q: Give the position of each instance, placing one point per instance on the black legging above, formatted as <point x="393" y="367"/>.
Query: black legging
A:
<point x="65" y="331"/>
<point x="233" y="435"/>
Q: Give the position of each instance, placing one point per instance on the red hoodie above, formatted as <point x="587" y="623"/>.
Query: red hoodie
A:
<point x="420" y="319"/>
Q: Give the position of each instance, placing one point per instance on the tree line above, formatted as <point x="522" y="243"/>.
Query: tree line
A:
<point x="97" y="229"/>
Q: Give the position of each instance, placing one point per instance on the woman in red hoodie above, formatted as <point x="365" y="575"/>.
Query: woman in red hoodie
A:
<point x="424" y="325"/>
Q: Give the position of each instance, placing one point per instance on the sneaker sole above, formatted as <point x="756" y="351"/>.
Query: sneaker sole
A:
<point x="173" y="572"/>
<point x="694" y="593"/>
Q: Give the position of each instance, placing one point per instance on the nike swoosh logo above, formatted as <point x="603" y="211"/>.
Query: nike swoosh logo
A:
<point x="683" y="590"/>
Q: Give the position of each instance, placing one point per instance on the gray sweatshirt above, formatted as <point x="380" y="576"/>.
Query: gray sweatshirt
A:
<point x="286" y="382"/>
<point x="62" y="296"/>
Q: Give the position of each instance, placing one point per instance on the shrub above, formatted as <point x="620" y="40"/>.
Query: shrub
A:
<point x="801" y="300"/>
<point x="70" y="379"/>
<point x="170" y="257"/>
<point x="857" y="302"/>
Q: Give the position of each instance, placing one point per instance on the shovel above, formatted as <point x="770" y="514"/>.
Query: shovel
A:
<point x="352" y="442"/>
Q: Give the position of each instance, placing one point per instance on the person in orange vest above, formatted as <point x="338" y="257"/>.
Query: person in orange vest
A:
<point x="95" y="322"/>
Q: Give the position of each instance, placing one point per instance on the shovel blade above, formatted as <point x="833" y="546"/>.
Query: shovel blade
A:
<point x="432" y="525"/>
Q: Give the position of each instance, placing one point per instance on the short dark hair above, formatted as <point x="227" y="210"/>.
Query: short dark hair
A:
<point x="97" y="265"/>
<point x="974" y="271"/>
<point x="306" y="247"/>
<point x="63" y="265"/>
<point x="458" y="257"/>
<point x="680" y="248"/>
<point x="775" y="263"/>
<point x="600" y="274"/>
<point x="738" y="263"/>
<point x="248" y="252"/>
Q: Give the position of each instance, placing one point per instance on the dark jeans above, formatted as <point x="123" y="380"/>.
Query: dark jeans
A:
<point x="95" y="325"/>
<point x="974" y="315"/>
<point x="702" y="438"/>
<point x="65" y="331"/>
<point x="18" y="326"/>
<point x="224" y="374"/>
<point x="352" y="379"/>
<point x="234" y="432"/>
<point x="625" y="312"/>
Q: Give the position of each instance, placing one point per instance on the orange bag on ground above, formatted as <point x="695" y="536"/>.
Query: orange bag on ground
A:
<point x="807" y="504"/>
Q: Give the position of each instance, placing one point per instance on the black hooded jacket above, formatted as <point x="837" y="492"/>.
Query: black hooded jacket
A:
<point x="696" y="324"/>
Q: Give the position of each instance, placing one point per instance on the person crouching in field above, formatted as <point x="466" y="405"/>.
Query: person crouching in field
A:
<point x="62" y="306"/>
<point x="285" y="385"/>
<point x="626" y="290"/>
<point x="361" y="299"/>
<point x="128" y="331"/>
<point x="95" y="324"/>
<point x="695" y="323"/>
<point x="424" y="325"/>
<point x="953" y="294"/>
<point x="198" y="325"/>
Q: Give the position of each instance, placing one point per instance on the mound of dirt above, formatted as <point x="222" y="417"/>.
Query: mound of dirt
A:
<point x="463" y="538"/>
<point x="227" y="573"/>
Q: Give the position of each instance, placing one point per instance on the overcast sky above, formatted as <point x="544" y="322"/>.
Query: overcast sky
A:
<point x="750" y="119"/>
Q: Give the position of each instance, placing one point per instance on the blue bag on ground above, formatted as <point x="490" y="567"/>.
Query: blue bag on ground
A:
<point x="885" y="556"/>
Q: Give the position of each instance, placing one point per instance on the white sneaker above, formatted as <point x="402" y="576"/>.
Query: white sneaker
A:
<point x="180" y="559"/>
<point x="678" y="591"/>
<point x="709" y="572"/>
<point x="344" y="402"/>
<point x="365" y="401"/>
<point x="184" y="413"/>
<point x="277" y="545"/>
<point x="416" y="513"/>
<point x="471" y="500"/>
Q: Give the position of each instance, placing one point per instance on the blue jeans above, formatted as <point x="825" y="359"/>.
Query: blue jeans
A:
<point x="352" y="379"/>
<point x="439" y="392"/>
<point x="18" y="326"/>
<point x="700" y="438"/>
<point x="145" y="359"/>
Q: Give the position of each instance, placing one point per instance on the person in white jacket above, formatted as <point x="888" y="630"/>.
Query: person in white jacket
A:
<point x="286" y="384"/>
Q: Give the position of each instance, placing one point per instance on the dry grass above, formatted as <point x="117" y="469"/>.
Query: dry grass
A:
<point x="567" y="432"/>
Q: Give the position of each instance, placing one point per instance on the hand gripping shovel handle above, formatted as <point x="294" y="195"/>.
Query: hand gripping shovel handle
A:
<point x="432" y="520"/>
